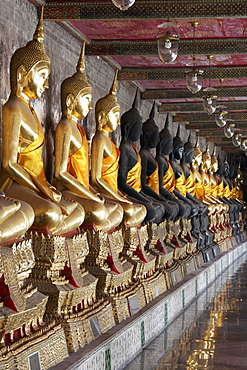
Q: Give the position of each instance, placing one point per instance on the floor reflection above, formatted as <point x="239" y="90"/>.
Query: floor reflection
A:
<point x="210" y="334"/>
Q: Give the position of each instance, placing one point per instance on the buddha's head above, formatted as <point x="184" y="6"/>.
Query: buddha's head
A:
<point x="131" y="122"/>
<point x="107" y="110"/>
<point x="214" y="161"/>
<point x="197" y="154"/>
<point x="178" y="146"/>
<point x="30" y="66"/>
<point x="76" y="92"/>
<point x="165" y="145"/>
<point x="206" y="159"/>
<point x="188" y="152"/>
<point x="150" y="131"/>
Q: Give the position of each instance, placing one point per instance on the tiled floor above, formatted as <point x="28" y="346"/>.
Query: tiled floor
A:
<point x="210" y="334"/>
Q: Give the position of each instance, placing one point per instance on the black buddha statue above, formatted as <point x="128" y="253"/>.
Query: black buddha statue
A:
<point x="149" y="174"/>
<point x="129" y="173"/>
<point x="166" y="175"/>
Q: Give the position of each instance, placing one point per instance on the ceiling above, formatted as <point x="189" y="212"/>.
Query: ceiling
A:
<point x="127" y="41"/>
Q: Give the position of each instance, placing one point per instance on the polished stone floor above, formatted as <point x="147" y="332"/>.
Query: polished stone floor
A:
<point x="210" y="334"/>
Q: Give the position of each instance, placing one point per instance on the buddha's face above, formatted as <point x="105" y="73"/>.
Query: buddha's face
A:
<point x="112" y="119"/>
<point x="178" y="153"/>
<point x="198" y="159"/>
<point x="207" y="163"/>
<point x="188" y="156"/>
<point x="214" y="166"/>
<point x="37" y="81"/>
<point x="83" y="105"/>
<point x="135" y="131"/>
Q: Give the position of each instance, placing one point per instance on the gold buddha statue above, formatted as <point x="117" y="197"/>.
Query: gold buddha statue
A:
<point x="71" y="154"/>
<point x="205" y="169"/>
<point x="105" y="157"/>
<point x="195" y="165"/>
<point x="22" y="173"/>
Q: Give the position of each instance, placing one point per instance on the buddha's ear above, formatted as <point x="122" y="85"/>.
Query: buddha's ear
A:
<point x="70" y="101"/>
<point x="126" y="129"/>
<point x="21" y="76"/>
<point x="100" y="120"/>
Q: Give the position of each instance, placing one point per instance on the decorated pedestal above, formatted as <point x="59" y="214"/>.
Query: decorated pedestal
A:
<point x="60" y="273"/>
<point x="25" y="336"/>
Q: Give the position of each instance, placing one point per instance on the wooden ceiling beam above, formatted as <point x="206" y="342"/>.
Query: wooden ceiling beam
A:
<point x="202" y="118"/>
<point x="211" y="126"/>
<point x="224" y="92"/>
<point x="198" y="106"/>
<point x="105" y="10"/>
<point x="215" y="73"/>
<point x="186" y="47"/>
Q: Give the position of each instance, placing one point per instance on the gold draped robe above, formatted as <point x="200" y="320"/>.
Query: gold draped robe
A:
<point x="180" y="184"/>
<point x="169" y="178"/>
<point x="134" y="174"/>
<point x="153" y="180"/>
<point x="110" y="168"/>
<point x="190" y="184"/>
<point x="32" y="161"/>
<point x="214" y="187"/>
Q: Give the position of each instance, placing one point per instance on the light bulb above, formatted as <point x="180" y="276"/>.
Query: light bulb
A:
<point x="168" y="44"/>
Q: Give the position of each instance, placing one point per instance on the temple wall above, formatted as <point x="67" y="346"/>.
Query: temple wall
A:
<point x="18" y="20"/>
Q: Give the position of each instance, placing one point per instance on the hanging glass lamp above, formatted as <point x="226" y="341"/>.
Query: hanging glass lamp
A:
<point x="194" y="75"/>
<point x="243" y="145"/>
<point x="221" y="116"/>
<point x="168" y="43"/>
<point x="209" y="102"/>
<point x="229" y="130"/>
<point x="194" y="80"/>
<point x="123" y="4"/>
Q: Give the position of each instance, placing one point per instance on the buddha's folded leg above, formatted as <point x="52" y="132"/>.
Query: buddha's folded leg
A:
<point x="48" y="215"/>
<point x="17" y="223"/>
<point x="101" y="216"/>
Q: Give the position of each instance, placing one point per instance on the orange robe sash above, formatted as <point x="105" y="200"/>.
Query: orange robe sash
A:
<point x="153" y="180"/>
<point x="169" y="178"/>
<point x="214" y="186"/>
<point x="134" y="174"/>
<point x="78" y="161"/>
<point x="180" y="184"/>
<point x="110" y="168"/>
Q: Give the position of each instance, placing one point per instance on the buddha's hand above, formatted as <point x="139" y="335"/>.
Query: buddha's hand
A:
<point x="101" y="198"/>
<point x="55" y="194"/>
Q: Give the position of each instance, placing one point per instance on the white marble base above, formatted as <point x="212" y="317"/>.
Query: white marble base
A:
<point x="116" y="348"/>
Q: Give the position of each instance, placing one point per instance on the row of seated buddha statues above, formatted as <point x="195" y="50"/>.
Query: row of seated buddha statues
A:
<point x="101" y="241"/>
